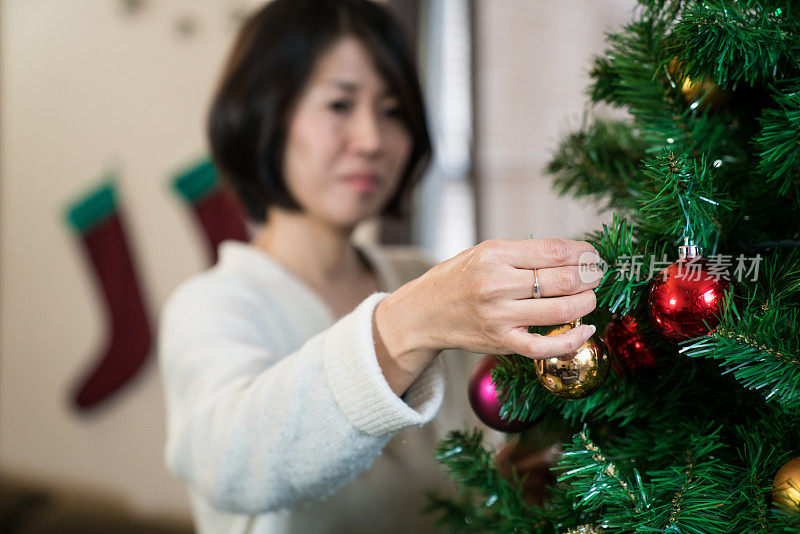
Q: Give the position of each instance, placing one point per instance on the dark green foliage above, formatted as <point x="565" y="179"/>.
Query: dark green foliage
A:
<point x="600" y="162"/>
<point x="691" y="446"/>
<point x="623" y="284"/>
<point x="684" y="496"/>
<point x="747" y="41"/>
<point x="628" y="76"/>
<point x="493" y="504"/>
<point x="760" y="345"/>
<point x="695" y="214"/>
<point x="779" y="141"/>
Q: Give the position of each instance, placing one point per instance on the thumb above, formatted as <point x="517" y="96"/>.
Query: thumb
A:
<point x="539" y="347"/>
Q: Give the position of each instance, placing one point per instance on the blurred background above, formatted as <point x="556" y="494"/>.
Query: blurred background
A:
<point x="99" y="90"/>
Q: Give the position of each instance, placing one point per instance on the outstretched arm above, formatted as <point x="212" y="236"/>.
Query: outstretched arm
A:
<point x="255" y="433"/>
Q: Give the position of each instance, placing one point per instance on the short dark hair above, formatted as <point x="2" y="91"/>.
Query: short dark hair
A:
<point x="268" y="67"/>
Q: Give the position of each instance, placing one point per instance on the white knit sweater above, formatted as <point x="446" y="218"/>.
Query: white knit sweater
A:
<point x="274" y="407"/>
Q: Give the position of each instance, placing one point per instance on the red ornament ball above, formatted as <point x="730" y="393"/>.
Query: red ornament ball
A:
<point x="686" y="297"/>
<point x="628" y="351"/>
<point x="483" y="398"/>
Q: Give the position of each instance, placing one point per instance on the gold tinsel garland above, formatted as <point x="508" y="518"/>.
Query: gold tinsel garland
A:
<point x="611" y="469"/>
<point x="783" y="357"/>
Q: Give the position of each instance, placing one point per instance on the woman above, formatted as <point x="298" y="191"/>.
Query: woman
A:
<point x="299" y="369"/>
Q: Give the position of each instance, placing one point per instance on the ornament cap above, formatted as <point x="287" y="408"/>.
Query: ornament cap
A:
<point x="689" y="250"/>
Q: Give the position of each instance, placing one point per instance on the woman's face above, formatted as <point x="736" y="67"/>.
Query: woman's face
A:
<point x="346" y="146"/>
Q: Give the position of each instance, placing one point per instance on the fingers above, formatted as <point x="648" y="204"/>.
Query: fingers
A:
<point x="552" y="311"/>
<point x="554" y="282"/>
<point x="483" y="296"/>
<point x="541" y="253"/>
<point x="541" y="347"/>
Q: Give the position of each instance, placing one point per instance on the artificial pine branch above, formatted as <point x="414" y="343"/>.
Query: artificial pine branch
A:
<point x="622" y="286"/>
<point x="596" y="482"/>
<point x="692" y="496"/>
<point x="601" y="162"/>
<point x="684" y="201"/>
<point x="759" y="345"/>
<point x="756" y="349"/>
<point x="732" y="42"/>
<point x="765" y="448"/>
<point x="635" y="74"/>
<point x="458" y="516"/>
<point x="780" y="277"/>
<point x="621" y="402"/>
<point x="688" y="446"/>
<point x="473" y="467"/>
<point x="629" y="76"/>
<point x="779" y="139"/>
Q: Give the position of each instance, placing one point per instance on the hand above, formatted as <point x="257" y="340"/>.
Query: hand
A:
<point x="481" y="301"/>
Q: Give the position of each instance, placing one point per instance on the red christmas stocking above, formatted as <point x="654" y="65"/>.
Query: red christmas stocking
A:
<point x="99" y="222"/>
<point x="218" y="212"/>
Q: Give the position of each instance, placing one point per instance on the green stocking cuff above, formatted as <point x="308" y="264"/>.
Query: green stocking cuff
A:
<point x="92" y="208"/>
<point x="197" y="181"/>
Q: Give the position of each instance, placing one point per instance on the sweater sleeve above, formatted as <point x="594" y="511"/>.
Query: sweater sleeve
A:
<point x="254" y="433"/>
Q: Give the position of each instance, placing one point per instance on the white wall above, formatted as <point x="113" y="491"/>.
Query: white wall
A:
<point x="533" y="59"/>
<point x="84" y="88"/>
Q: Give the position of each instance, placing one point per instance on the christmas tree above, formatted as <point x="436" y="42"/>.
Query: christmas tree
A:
<point x="697" y="427"/>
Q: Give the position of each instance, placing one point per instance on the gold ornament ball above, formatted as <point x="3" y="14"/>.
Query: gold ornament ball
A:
<point x="576" y="375"/>
<point x="786" y="485"/>
<point x="701" y="94"/>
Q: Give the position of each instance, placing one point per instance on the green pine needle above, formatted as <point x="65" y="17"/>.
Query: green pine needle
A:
<point x="500" y="502"/>
<point x="600" y="162"/>
<point x="685" y="202"/>
<point x="717" y="38"/>
<point x="779" y="141"/>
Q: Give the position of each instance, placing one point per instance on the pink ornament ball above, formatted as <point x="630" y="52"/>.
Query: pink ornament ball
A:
<point x="484" y="401"/>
